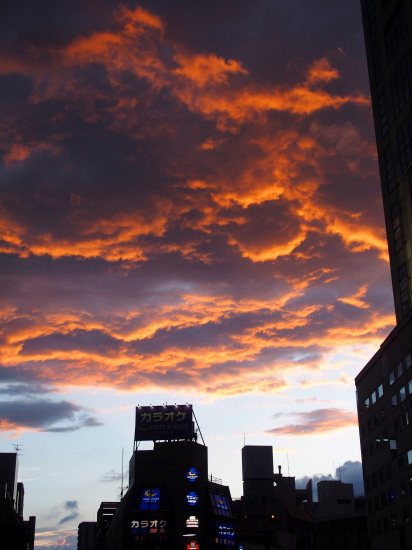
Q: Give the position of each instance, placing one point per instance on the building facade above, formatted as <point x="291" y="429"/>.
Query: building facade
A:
<point x="388" y="41"/>
<point x="384" y="386"/>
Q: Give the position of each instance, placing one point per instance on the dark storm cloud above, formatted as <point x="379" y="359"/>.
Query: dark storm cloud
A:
<point x="72" y="506"/>
<point x="215" y="26"/>
<point x="43" y="415"/>
<point x="25" y="389"/>
<point x="85" y="341"/>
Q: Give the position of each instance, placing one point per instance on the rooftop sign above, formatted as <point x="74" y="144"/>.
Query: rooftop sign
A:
<point x="164" y="422"/>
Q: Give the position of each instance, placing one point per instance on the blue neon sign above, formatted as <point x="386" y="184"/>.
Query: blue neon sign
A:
<point x="192" y="474"/>
<point x="192" y="498"/>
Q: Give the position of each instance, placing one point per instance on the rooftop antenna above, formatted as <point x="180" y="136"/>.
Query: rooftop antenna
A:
<point x="244" y="439"/>
<point x="122" y="488"/>
<point x="18" y="448"/>
<point x="287" y="458"/>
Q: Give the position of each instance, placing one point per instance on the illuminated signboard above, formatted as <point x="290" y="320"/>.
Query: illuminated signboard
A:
<point x="226" y="534"/>
<point x="192" y="498"/>
<point x="150" y="499"/>
<point x="192" y="521"/>
<point x="164" y="422"/>
<point x="221" y="504"/>
<point x="148" y="529"/>
<point x="192" y="474"/>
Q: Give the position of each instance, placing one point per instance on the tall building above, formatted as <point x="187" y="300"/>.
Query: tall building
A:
<point x="388" y="39"/>
<point x="384" y="386"/>
<point x="15" y="533"/>
<point x="171" y="502"/>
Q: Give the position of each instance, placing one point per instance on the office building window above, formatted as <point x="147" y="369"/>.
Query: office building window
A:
<point x="396" y="227"/>
<point x="379" y="526"/>
<point x="405" y="145"/>
<point x="402" y="461"/>
<point x="404" y="287"/>
<point x="402" y="394"/>
<point x="389" y="170"/>
<point x="383" y="115"/>
<point x="371" y="15"/>
<point x="376" y="63"/>
<point x="396" y="33"/>
<point x="404" y="488"/>
<point x="401" y="422"/>
<point x="406" y="514"/>
<point x="401" y="83"/>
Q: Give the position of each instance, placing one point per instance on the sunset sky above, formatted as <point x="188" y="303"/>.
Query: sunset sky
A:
<point x="190" y="212"/>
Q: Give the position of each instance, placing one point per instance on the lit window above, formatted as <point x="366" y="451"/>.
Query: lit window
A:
<point x="402" y="394"/>
<point x="404" y="488"/>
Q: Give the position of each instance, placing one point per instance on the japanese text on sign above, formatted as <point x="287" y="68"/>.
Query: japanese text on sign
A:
<point x="164" y="422"/>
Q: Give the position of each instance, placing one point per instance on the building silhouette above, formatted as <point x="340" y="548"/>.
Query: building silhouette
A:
<point x="171" y="502"/>
<point x="274" y="515"/>
<point x="384" y="386"/>
<point x="15" y="533"/>
<point x="86" y="535"/>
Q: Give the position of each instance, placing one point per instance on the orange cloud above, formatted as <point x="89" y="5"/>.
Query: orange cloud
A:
<point x="317" y="422"/>
<point x="206" y="69"/>
<point x="321" y="71"/>
<point x="247" y="190"/>
<point x="19" y="152"/>
<point x="356" y="299"/>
